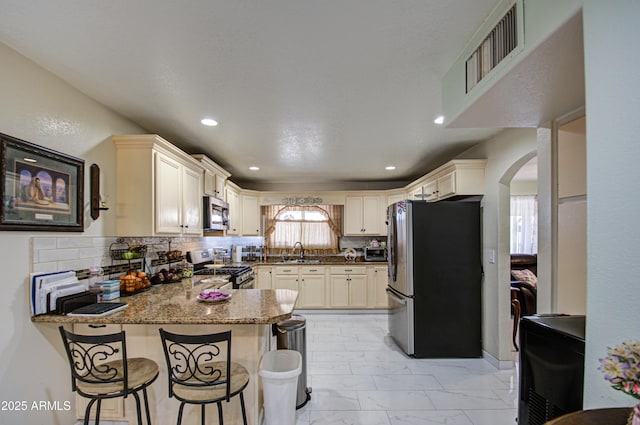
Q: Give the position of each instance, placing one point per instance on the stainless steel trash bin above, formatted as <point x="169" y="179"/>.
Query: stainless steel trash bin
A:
<point x="291" y="335"/>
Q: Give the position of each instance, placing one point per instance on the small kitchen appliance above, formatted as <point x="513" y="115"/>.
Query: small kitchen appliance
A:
<point x="375" y="253"/>
<point x="215" y="214"/>
<point x="240" y="276"/>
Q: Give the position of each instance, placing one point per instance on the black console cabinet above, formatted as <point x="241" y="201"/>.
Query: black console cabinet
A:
<point x="551" y="367"/>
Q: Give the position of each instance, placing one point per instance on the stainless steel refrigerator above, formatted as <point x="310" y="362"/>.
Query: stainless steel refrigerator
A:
<point x="435" y="277"/>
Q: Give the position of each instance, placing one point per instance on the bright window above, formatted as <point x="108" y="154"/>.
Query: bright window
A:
<point x="524" y="224"/>
<point x="312" y="225"/>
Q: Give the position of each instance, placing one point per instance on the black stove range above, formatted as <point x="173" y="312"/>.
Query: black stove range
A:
<point x="240" y="276"/>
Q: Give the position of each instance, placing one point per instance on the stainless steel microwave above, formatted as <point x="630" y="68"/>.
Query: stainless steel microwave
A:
<point x="377" y="253"/>
<point x="216" y="214"/>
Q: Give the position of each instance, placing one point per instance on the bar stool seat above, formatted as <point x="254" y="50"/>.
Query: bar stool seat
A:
<point x="141" y="371"/>
<point x="200" y="371"/>
<point x="239" y="380"/>
<point x="101" y="370"/>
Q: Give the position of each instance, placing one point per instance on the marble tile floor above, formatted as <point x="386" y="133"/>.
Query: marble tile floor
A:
<point x="360" y="377"/>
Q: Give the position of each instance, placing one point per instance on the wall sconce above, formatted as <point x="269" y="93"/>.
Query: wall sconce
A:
<point x="96" y="204"/>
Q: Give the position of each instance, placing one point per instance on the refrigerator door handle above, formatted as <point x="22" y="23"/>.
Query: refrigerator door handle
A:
<point x="395" y="297"/>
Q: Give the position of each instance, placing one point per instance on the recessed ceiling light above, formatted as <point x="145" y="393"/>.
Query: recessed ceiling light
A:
<point x="439" y="120"/>
<point x="254" y="168"/>
<point x="209" y="122"/>
<point x="30" y="160"/>
<point x="390" y="167"/>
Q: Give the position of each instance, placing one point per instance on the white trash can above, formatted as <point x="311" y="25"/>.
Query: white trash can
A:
<point x="279" y="370"/>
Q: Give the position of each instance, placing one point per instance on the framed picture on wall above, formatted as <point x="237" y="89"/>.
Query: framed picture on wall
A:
<point x="41" y="189"/>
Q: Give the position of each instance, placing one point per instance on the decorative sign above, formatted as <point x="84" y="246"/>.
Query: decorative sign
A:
<point x="309" y="200"/>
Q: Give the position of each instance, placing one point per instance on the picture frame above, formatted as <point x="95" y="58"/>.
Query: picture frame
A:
<point x="41" y="189"/>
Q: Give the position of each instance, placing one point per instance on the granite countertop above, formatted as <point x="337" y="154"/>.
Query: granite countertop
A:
<point x="175" y="303"/>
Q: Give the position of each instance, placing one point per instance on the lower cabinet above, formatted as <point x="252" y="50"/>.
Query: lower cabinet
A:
<point x="285" y="278"/>
<point x="312" y="287"/>
<point x="264" y="278"/>
<point x="308" y="281"/>
<point x="377" y="285"/>
<point x="327" y="287"/>
<point x="111" y="408"/>
<point x="349" y="287"/>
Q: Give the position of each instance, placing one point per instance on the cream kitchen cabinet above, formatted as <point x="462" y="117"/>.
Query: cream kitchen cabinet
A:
<point x="244" y="212"/>
<point x="265" y="275"/>
<point x="214" y="177"/>
<point x="455" y="178"/>
<point x="178" y="198"/>
<point x="363" y="216"/>
<point x="377" y="284"/>
<point x="440" y="188"/>
<point x="312" y="287"/>
<point x="416" y="194"/>
<point x="286" y="278"/>
<point x="392" y="199"/>
<point x="235" y="211"/>
<point x="250" y="216"/>
<point x="348" y="287"/>
<point x="111" y="408"/>
<point x="309" y="281"/>
<point x="159" y="188"/>
<point x="214" y="184"/>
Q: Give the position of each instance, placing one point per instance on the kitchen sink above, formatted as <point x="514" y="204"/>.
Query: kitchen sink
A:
<point x="300" y="261"/>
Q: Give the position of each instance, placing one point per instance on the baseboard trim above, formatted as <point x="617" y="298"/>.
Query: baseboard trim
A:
<point x="498" y="364"/>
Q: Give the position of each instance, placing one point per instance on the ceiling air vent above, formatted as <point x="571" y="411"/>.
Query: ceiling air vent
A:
<point x="502" y="39"/>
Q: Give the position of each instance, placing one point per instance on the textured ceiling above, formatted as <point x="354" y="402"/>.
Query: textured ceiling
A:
<point x="307" y="90"/>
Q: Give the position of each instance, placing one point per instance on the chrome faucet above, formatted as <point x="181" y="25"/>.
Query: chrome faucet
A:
<point x="301" y="256"/>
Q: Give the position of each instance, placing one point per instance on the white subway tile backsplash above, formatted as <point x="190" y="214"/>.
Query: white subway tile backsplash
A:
<point x="78" y="264"/>
<point x="75" y="242"/>
<point x="92" y="253"/>
<point x="104" y="242"/>
<point x="44" y="243"/>
<point x="51" y="267"/>
<point x="52" y="254"/>
<point x="46" y="255"/>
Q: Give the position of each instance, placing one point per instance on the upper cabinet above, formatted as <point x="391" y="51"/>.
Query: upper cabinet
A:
<point x="159" y="188"/>
<point x="232" y="196"/>
<point x="364" y="216"/>
<point x="214" y="177"/>
<point x="250" y="216"/>
<point x="460" y="177"/>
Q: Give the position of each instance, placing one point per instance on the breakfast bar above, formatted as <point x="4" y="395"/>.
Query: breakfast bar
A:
<point x="176" y="307"/>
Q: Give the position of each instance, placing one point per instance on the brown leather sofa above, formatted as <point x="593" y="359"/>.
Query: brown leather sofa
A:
<point x="527" y="293"/>
<point x="523" y="294"/>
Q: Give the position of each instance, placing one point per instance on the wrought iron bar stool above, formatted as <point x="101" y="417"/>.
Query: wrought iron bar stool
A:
<point x="201" y="372"/>
<point x="100" y="370"/>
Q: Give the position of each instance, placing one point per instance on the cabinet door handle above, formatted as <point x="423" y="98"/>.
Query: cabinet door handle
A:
<point x="97" y="326"/>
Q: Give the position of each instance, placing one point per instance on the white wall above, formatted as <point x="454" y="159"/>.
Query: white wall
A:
<point x="40" y="108"/>
<point x="505" y="154"/>
<point x="611" y="33"/>
<point x="571" y="265"/>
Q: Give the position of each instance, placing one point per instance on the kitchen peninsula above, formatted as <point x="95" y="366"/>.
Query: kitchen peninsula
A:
<point x="249" y="314"/>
